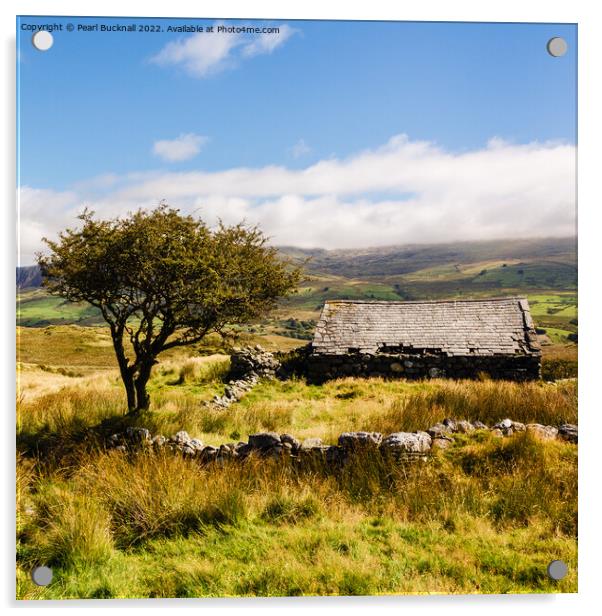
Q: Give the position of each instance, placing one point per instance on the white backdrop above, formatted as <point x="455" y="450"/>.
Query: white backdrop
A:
<point x="590" y="102"/>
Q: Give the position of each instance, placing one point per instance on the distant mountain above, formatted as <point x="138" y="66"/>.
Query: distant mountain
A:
<point x="29" y="277"/>
<point x="398" y="260"/>
<point x="543" y="269"/>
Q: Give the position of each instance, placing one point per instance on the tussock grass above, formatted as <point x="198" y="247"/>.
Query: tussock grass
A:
<point x="487" y="514"/>
<point x="69" y="529"/>
<point x="160" y="495"/>
<point x="488" y="401"/>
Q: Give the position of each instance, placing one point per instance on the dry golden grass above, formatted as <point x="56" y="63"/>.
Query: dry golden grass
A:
<point x="34" y="380"/>
<point x="178" y="390"/>
<point x="486" y="515"/>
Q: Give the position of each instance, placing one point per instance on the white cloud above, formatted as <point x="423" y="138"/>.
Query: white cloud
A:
<point x="402" y="192"/>
<point x="182" y="148"/>
<point x="266" y="43"/>
<point x="207" y="53"/>
<point x="300" y="149"/>
<point x="43" y="213"/>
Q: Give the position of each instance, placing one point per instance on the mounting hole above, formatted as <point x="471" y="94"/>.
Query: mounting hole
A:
<point x="557" y="569"/>
<point x="42" y="40"/>
<point x="42" y="576"/>
<point x="557" y="46"/>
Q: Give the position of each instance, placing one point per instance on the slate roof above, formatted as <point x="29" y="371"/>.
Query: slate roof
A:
<point x="500" y="326"/>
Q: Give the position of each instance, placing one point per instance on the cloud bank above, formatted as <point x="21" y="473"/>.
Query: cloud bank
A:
<point x="184" y="147"/>
<point x="204" y="54"/>
<point x="402" y="192"/>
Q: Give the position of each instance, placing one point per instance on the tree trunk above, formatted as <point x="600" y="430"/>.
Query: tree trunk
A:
<point x="126" y="371"/>
<point x="130" y="391"/>
<point x="140" y="382"/>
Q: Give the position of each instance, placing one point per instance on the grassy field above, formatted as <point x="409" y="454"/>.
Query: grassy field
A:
<point x="486" y="515"/>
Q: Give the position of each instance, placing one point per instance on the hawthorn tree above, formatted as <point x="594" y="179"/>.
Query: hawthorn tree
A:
<point x="163" y="280"/>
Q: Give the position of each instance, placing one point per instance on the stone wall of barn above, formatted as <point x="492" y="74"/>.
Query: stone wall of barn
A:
<point x="319" y="368"/>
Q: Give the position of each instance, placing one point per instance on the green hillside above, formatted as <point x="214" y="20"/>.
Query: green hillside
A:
<point x="36" y="308"/>
<point x="545" y="270"/>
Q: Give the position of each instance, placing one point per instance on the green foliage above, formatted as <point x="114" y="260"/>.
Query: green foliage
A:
<point x="163" y="280"/>
<point x="555" y="368"/>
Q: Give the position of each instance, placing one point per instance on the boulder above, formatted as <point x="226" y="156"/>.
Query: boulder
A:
<point x="410" y="442"/>
<point x="311" y="443"/>
<point x="335" y="455"/>
<point x="225" y="451"/>
<point x="208" y="454"/>
<point x="264" y="440"/>
<point x="439" y="430"/>
<point x="196" y="444"/>
<point x="441" y="443"/>
<point x="355" y="440"/>
<point x="188" y="451"/>
<point x="568" y="432"/>
<point x="138" y="435"/>
<point x="543" y="433"/>
<point x="464" y="426"/>
<point x="450" y="423"/>
<point x="114" y="440"/>
<point x="290" y="440"/>
<point x="479" y="425"/>
<point x="436" y="373"/>
<point x="180" y="438"/>
<point x="159" y="440"/>
<point x="244" y="450"/>
<point x="505" y="427"/>
<point x="274" y="452"/>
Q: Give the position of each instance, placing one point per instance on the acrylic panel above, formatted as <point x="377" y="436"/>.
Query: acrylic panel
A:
<point x="296" y="308"/>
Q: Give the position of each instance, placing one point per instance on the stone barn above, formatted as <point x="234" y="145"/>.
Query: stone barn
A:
<point x="451" y="338"/>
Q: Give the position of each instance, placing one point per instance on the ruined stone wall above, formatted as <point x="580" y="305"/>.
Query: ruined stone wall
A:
<point x="399" y="445"/>
<point x="319" y="368"/>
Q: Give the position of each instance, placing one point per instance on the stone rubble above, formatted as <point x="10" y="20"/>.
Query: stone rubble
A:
<point x="568" y="432"/>
<point x="400" y="445"/>
<point x="247" y="367"/>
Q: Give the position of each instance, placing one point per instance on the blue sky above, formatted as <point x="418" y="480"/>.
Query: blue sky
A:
<point x="102" y="114"/>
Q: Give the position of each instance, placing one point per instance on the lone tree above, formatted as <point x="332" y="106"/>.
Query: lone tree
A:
<point x="164" y="280"/>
